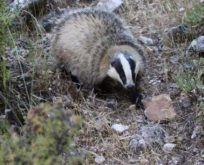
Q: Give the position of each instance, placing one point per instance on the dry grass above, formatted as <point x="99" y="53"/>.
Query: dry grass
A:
<point x="149" y="18"/>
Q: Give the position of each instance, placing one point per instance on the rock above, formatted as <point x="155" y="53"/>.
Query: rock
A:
<point x="132" y="107"/>
<point x="197" y="45"/>
<point x="182" y="9"/>
<point x="99" y="159"/>
<point x="159" y="108"/>
<point x="109" y="5"/>
<point x="146" y="40"/>
<point x="149" y="136"/>
<point x="197" y="132"/>
<point x="185" y="101"/>
<point x="153" y="134"/>
<point x="177" y="34"/>
<point x="175" y="160"/>
<point x="119" y="127"/>
<point x="138" y="144"/>
<point x="168" y="147"/>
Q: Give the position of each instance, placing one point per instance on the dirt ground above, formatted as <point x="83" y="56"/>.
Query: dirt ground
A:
<point x="147" y="18"/>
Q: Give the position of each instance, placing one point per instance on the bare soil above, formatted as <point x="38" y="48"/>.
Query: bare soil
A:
<point x="148" y="18"/>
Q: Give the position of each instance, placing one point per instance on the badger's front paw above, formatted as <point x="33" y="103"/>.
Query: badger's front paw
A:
<point x="137" y="100"/>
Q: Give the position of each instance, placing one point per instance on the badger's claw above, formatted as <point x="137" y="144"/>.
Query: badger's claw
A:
<point x="137" y="99"/>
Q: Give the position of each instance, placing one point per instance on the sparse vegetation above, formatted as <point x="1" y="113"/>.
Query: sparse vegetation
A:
<point x="188" y="80"/>
<point x="195" y="16"/>
<point x="35" y="129"/>
<point x="46" y="138"/>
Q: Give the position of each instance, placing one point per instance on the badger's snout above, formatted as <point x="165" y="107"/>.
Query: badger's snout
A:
<point x="130" y="86"/>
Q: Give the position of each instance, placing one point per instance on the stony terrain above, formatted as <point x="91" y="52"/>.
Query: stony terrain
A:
<point x="143" y="141"/>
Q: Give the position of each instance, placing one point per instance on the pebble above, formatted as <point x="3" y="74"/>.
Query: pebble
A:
<point x="168" y="147"/>
<point x="99" y="159"/>
<point x="148" y="136"/>
<point x="197" y="132"/>
<point x="120" y="127"/>
<point x="146" y="40"/>
<point x="181" y="9"/>
<point x="138" y="144"/>
<point x="185" y="101"/>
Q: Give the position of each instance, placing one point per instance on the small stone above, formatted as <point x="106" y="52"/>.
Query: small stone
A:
<point x="202" y="153"/>
<point x="99" y="159"/>
<point x="109" y="5"/>
<point x="185" y="101"/>
<point x="138" y="144"/>
<point x="181" y="9"/>
<point x="197" y="132"/>
<point x="153" y="134"/>
<point x="120" y="127"/>
<point x="160" y="108"/>
<point x="149" y="136"/>
<point x="146" y="40"/>
<point x="175" y="160"/>
<point x="168" y="147"/>
<point x="132" y="107"/>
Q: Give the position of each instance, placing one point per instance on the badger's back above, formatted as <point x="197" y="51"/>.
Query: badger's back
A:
<point x="83" y="39"/>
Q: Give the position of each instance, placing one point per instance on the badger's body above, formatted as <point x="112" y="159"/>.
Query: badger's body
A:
<point x="88" y="41"/>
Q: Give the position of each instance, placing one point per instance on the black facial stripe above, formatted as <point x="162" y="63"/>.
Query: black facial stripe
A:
<point x="132" y="66"/>
<point x="119" y="68"/>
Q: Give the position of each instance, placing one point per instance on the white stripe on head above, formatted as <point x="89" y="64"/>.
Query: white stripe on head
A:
<point x="127" y="70"/>
<point x="114" y="74"/>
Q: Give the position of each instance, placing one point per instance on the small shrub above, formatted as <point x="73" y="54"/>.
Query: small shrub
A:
<point x="195" y="16"/>
<point x="5" y="22"/>
<point x="47" y="136"/>
<point x="187" y="81"/>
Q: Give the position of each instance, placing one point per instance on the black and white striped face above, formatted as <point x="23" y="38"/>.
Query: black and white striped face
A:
<point x="122" y="69"/>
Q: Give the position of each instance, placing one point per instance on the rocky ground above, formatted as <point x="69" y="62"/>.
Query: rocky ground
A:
<point x="139" y="140"/>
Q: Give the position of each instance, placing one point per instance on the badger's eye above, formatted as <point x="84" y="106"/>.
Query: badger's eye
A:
<point x="119" y="68"/>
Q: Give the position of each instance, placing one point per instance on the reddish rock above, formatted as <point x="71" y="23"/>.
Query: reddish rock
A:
<point x="159" y="108"/>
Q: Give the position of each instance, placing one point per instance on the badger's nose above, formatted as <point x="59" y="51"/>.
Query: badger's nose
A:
<point x="130" y="86"/>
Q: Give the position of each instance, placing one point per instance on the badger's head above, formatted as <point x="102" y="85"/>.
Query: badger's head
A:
<point x="122" y="69"/>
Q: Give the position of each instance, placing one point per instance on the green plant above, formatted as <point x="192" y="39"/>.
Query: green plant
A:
<point x="200" y="113"/>
<point x="47" y="136"/>
<point x="5" y="22"/>
<point x="187" y="80"/>
<point x="195" y="16"/>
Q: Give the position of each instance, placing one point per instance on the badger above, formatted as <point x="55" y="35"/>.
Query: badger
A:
<point x="93" y="44"/>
